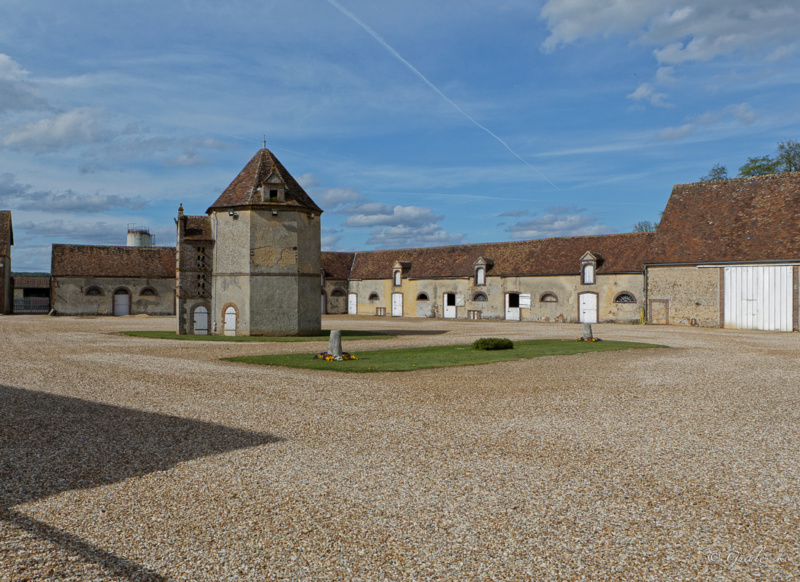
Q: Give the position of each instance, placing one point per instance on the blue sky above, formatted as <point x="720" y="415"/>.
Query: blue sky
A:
<point x="410" y="123"/>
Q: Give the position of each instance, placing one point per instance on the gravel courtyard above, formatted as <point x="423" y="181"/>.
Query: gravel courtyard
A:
<point x="139" y="459"/>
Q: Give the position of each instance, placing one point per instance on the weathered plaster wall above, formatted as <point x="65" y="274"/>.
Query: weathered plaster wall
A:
<point x="335" y="304"/>
<point x="268" y="267"/>
<point x="565" y="288"/>
<point x="69" y="295"/>
<point x="692" y="294"/>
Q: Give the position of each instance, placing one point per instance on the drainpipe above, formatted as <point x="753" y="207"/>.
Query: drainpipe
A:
<point x="644" y="319"/>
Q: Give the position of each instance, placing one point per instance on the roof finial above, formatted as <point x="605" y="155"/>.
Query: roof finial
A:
<point x="265" y="141"/>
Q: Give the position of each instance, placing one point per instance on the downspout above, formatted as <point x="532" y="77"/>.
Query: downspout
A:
<point x="646" y="288"/>
<point x="214" y="277"/>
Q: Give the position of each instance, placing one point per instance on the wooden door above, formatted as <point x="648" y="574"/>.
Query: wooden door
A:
<point x="588" y="308"/>
<point x="230" y="321"/>
<point x="450" y="305"/>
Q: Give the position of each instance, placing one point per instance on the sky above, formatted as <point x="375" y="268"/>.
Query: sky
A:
<point x="411" y="123"/>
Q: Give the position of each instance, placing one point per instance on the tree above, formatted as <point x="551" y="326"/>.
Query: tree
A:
<point x="759" y="166"/>
<point x="789" y="156"/>
<point x="645" y="226"/>
<point x="718" y="172"/>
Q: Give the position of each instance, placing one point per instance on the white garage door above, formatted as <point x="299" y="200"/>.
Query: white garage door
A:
<point x="758" y="297"/>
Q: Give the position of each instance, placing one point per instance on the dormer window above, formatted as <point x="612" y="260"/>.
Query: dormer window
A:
<point x="398" y="277"/>
<point x="273" y="195"/>
<point x="589" y="262"/>
<point x="481" y="266"/>
<point x="588" y="274"/>
<point x="480" y="276"/>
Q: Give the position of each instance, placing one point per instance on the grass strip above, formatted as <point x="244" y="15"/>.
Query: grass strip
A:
<point x="407" y="359"/>
<point x="348" y="334"/>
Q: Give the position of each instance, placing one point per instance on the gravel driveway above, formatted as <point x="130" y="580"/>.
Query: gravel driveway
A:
<point x="137" y="459"/>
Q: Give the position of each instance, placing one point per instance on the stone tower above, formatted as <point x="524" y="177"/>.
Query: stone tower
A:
<point x="267" y="254"/>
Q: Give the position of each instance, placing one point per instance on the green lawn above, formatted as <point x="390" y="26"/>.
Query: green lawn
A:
<point x="348" y="335"/>
<point x="403" y="360"/>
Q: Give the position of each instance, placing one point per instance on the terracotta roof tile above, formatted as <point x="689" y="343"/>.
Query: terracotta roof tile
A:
<point x="622" y="253"/>
<point x="31" y="282"/>
<point x="112" y="261"/>
<point x="197" y="228"/>
<point x="337" y="265"/>
<point x="744" y="219"/>
<point x="243" y="190"/>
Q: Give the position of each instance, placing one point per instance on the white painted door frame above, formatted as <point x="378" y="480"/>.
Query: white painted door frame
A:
<point x="588" y="307"/>
<point x="352" y="304"/>
<point x="512" y="313"/>
<point x="449" y="305"/>
<point x="397" y="304"/>
<point x="230" y="321"/>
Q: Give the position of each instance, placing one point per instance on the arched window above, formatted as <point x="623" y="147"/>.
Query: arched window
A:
<point x="148" y="291"/>
<point x="480" y="276"/>
<point x="625" y="297"/>
<point x="374" y="296"/>
<point x="337" y="293"/>
<point x="94" y="291"/>
<point x="398" y="275"/>
<point x="479" y="297"/>
<point x="588" y="274"/>
<point x="422" y="297"/>
<point x="548" y="298"/>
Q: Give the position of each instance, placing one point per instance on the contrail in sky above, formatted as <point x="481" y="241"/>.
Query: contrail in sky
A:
<point x="411" y="67"/>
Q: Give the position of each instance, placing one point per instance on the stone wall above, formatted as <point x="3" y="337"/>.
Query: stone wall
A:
<point x="70" y="295"/>
<point x="684" y="296"/>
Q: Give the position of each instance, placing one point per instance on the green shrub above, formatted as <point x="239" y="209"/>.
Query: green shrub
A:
<point x="493" y="343"/>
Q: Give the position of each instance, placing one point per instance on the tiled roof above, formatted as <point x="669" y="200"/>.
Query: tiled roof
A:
<point x="105" y="261"/>
<point x="6" y="233"/>
<point x="31" y="282"/>
<point x="243" y="190"/>
<point x="621" y="253"/>
<point x="197" y="228"/>
<point x="744" y="219"/>
<point x="337" y="265"/>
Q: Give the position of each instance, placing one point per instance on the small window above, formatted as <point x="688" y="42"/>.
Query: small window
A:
<point x="479" y="297"/>
<point x="374" y="297"/>
<point x="398" y="275"/>
<point x="148" y="291"/>
<point x="549" y="298"/>
<point x="94" y="291"/>
<point x="588" y="274"/>
<point x="480" y="276"/>
<point x="625" y="297"/>
<point x="337" y="293"/>
<point x="422" y="297"/>
<point x="273" y="195"/>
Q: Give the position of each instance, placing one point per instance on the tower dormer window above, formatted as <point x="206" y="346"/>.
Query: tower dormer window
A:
<point x="273" y="195"/>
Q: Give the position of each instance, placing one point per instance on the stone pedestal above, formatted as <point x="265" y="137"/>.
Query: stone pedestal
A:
<point x="587" y="331"/>
<point x="335" y="343"/>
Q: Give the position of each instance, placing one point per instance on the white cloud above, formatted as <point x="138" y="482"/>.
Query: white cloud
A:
<point x="307" y="180"/>
<point x="16" y="92"/>
<point x="707" y="29"/>
<point x="19" y="196"/>
<point x="374" y="214"/>
<point x="742" y="113"/>
<point x="330" y="198"/>
<point x="558" y="222"/>
<point x="412" y="236"/>
<point x="78" y="126"/>
<point x="646" y="92"/>
<point x="89" y="232"/>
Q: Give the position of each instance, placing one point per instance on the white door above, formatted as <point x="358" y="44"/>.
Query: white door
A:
<point x="201" y="321"/>
<point x="122" y="303"/>
<point x="588" y="308"/>
<point x="230" y="321"/>
<point x="759" y="297"/>
<point x="397" y="304"/>
<point x="450" y="305"/>
<point x="512" y="306"/>
<point x="352" y="304"/>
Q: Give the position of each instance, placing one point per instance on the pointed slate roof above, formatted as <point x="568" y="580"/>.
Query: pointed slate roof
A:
<point x="245" y="188"/>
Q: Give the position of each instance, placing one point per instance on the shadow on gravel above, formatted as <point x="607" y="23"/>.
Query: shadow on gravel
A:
<point x="50" y="444"/>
